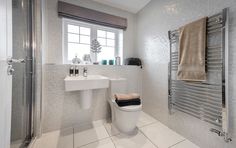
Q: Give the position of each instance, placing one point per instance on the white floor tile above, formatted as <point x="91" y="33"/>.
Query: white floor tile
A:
<point x="99" y="123"/>
<point x="136" y="141"/>
<point x="185" y="144"/>
<point x="84" y="137"/>
<point x="111" y="129"/>
<point x="56" y="139"/>
<point x="105" y="143"/>
<point x="145" y="119"/>
<point x="161" y="135"/>
<point x="152" y="134"/>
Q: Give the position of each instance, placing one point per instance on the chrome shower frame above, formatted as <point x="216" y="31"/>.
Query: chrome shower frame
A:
<point x="36" y="20"/>
<point x="35" y="47"/>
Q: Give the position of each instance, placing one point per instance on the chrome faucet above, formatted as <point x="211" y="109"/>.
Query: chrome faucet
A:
<point x="85" y="71"/>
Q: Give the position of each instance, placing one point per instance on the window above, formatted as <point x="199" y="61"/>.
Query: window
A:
<point x="78" y="36"/>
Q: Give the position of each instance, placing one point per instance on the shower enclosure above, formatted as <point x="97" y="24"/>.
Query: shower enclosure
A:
<point x="25" y="68"/>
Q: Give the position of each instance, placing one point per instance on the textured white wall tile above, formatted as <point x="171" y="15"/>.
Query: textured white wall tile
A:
<point x="62" y="109"/>
<point x="153" y="24"/>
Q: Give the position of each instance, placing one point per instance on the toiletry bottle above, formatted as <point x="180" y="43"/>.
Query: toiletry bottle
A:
<point x="76" y="71"/>
<point x="117" y="61"/>
<point x="111" y="62"/>
<point x="71" y="71"/>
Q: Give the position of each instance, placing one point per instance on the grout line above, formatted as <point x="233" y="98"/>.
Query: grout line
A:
<point x="94" y="141"/>
<point x="113" y="142"/>
<point x="149" y="124"/>
<point x="110" y="136"/>
<point x="106" y="130"/>
<point x="177" y="143"/>
<point x="98" y="139"/>
<point x="148" y="138"/>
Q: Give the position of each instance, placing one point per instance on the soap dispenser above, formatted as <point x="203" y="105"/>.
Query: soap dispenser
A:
<point x="76" y="71"/>
<point x="71" y="71"/>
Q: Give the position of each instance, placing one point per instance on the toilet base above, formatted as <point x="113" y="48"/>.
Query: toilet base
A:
<point x="130" y="133"/>
<point x="125" y="120"/>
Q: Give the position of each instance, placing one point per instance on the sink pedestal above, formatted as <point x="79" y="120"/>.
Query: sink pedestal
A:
<point x="86" y="98"/>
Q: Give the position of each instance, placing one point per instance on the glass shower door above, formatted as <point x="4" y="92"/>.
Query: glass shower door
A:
<point x="22" y="93"/>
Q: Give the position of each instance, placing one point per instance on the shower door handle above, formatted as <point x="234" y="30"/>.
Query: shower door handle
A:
<point x="10" y="70"/>
<point x="10" y="61"/>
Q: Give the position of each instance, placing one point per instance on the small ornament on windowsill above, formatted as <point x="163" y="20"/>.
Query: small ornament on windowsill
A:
<point x="76" y="60"/>
<point x="95" y="48"/>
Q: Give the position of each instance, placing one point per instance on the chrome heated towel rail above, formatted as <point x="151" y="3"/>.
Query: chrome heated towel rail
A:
<point x="207" y="100"/>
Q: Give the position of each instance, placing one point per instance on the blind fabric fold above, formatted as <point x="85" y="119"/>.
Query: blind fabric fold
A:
<point x="92" y="16"/>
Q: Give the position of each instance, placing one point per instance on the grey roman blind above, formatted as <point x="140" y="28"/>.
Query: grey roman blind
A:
<point x="92" y="16"/>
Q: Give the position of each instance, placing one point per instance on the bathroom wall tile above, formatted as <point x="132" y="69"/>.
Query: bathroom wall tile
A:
<point x="105" y="143"/>
<point x="134" y="141"/>
<point x="153" y="24"/>
<point x="161" y="135"/>
<point x="16" y="144"/>
<point x="53" y="111"/>
<point x="185" y="144"/>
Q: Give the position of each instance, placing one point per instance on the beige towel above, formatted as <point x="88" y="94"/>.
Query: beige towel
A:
<point x="127" y="96"/>
<point x="192" y="45"/>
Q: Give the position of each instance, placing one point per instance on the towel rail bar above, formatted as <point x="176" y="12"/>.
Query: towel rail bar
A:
<point x="212" y="114"/>
<point x="197" y="115"/>
<point x="207" y="100"/>
<point x="210" y="28"/>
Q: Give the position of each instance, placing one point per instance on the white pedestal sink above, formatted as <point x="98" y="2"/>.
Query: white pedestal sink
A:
<point x="86" y="85"/>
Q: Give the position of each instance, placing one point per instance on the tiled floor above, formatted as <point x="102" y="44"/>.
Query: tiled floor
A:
<point x="150" y="134"/>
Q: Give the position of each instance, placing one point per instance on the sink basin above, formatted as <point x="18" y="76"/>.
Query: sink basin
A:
<point x="85" y="87"/>
<point x="86" y="83"/>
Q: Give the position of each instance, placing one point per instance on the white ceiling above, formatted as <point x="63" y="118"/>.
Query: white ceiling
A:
<point x="132" y="6"/>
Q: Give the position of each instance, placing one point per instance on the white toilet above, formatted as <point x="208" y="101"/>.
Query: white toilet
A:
<point x="123" y="118"/>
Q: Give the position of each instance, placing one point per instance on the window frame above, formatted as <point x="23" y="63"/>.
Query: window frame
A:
<point x="93" y="35"/>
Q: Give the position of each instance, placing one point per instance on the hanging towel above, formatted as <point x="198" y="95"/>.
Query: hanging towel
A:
<point x="192" y="45"/>
<point x="127" y="96"/>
